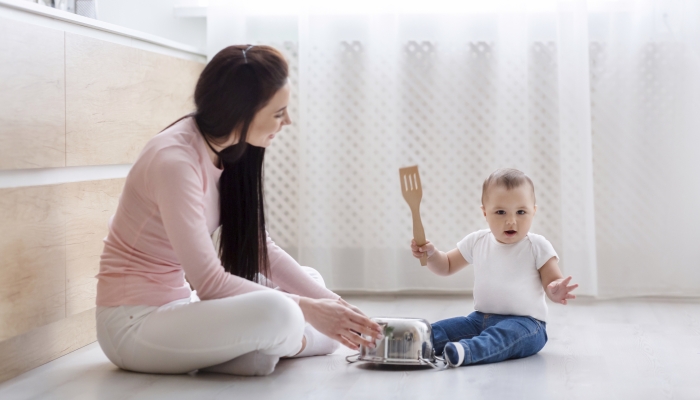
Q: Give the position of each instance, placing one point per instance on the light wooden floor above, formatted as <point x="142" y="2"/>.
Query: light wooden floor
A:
<point x="620" y="349"/>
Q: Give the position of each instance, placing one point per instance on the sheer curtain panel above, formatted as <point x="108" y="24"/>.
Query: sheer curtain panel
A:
<point x="596" y="101"/>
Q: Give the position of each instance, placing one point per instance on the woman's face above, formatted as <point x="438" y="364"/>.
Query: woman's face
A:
<point x="270" y="119"/>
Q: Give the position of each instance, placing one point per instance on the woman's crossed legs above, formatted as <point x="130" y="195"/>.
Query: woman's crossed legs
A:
<point x="241" y="335"/>
<point x="183" y="336"/>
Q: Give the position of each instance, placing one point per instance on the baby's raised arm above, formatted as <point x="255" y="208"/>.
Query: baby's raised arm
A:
<point x="440" y="263"/>
<point x="555" y="285"/>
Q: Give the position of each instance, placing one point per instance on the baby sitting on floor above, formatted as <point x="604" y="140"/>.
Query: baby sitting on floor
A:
<point x="513" y="270"/>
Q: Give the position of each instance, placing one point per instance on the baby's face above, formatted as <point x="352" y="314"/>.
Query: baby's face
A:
<point x="509" y="213"/>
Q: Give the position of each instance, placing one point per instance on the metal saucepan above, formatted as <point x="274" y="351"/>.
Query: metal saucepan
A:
<point x="407" y="341"/>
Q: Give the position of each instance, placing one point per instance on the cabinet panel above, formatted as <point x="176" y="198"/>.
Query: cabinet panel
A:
<point x="32" y="96"/>
<point x="119" y="97"/>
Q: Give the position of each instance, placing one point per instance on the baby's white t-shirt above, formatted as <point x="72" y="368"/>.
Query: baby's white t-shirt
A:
<point x="506" y="276"/>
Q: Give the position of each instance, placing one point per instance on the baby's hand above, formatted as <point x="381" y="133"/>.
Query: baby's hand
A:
<point x="559" y="292"/>
<point x="427" y="248"/>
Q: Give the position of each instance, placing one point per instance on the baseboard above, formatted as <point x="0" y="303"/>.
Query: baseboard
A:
<point x="49" y="342"/>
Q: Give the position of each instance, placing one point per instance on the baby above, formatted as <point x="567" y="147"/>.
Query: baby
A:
<point x="513" y="270"/>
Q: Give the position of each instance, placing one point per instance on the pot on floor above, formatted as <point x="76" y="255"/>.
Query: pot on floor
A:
<point x="407" y="341"/>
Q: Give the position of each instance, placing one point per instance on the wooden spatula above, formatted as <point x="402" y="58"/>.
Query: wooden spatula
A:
<point x="412" y="193"/>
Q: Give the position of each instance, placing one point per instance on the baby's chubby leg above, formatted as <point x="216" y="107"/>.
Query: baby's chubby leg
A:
<point x="456" y="329"/>
<point x="505" y="337"/>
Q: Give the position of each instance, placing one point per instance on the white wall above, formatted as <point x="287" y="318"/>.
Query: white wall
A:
<point x="155" y="17"/>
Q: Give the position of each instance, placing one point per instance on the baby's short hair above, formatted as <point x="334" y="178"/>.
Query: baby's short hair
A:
<point x="510" y="178"/>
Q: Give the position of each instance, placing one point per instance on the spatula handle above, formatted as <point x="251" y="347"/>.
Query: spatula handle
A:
<point x="419" y="233"/>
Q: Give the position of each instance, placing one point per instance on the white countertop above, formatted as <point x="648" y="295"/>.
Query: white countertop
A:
<point x="64" y="16"/>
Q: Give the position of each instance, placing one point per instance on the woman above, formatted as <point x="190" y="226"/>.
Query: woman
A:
<point x="203" y="171"/>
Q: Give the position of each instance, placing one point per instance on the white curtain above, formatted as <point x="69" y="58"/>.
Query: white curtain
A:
<point x="597" y="102"/>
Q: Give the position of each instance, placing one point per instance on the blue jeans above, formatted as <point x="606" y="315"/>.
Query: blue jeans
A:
<point x="489" y="338"/>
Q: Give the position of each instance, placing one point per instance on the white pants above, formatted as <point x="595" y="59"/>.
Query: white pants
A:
<point x="187" y="334"/>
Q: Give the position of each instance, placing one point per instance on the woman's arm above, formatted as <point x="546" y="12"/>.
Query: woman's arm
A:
<point x="289" y="276"/>
<point x="323" y="309"/>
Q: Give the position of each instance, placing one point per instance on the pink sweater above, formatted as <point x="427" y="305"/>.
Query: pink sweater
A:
<point x="162" y="231"/>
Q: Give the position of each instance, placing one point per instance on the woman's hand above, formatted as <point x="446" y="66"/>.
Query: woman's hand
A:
<point x="339" y="320"/>
<point x="350" y="306"/>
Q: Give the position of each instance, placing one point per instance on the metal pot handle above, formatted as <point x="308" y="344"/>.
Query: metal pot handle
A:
<point x="425" y="361"/>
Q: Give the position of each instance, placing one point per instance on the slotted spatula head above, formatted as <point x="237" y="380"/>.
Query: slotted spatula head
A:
<point x="412" y="193"/>
<point x="410" y="185"/>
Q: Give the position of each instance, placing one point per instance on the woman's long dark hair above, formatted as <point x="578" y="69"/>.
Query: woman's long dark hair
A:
<point x="233" y="87"/>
